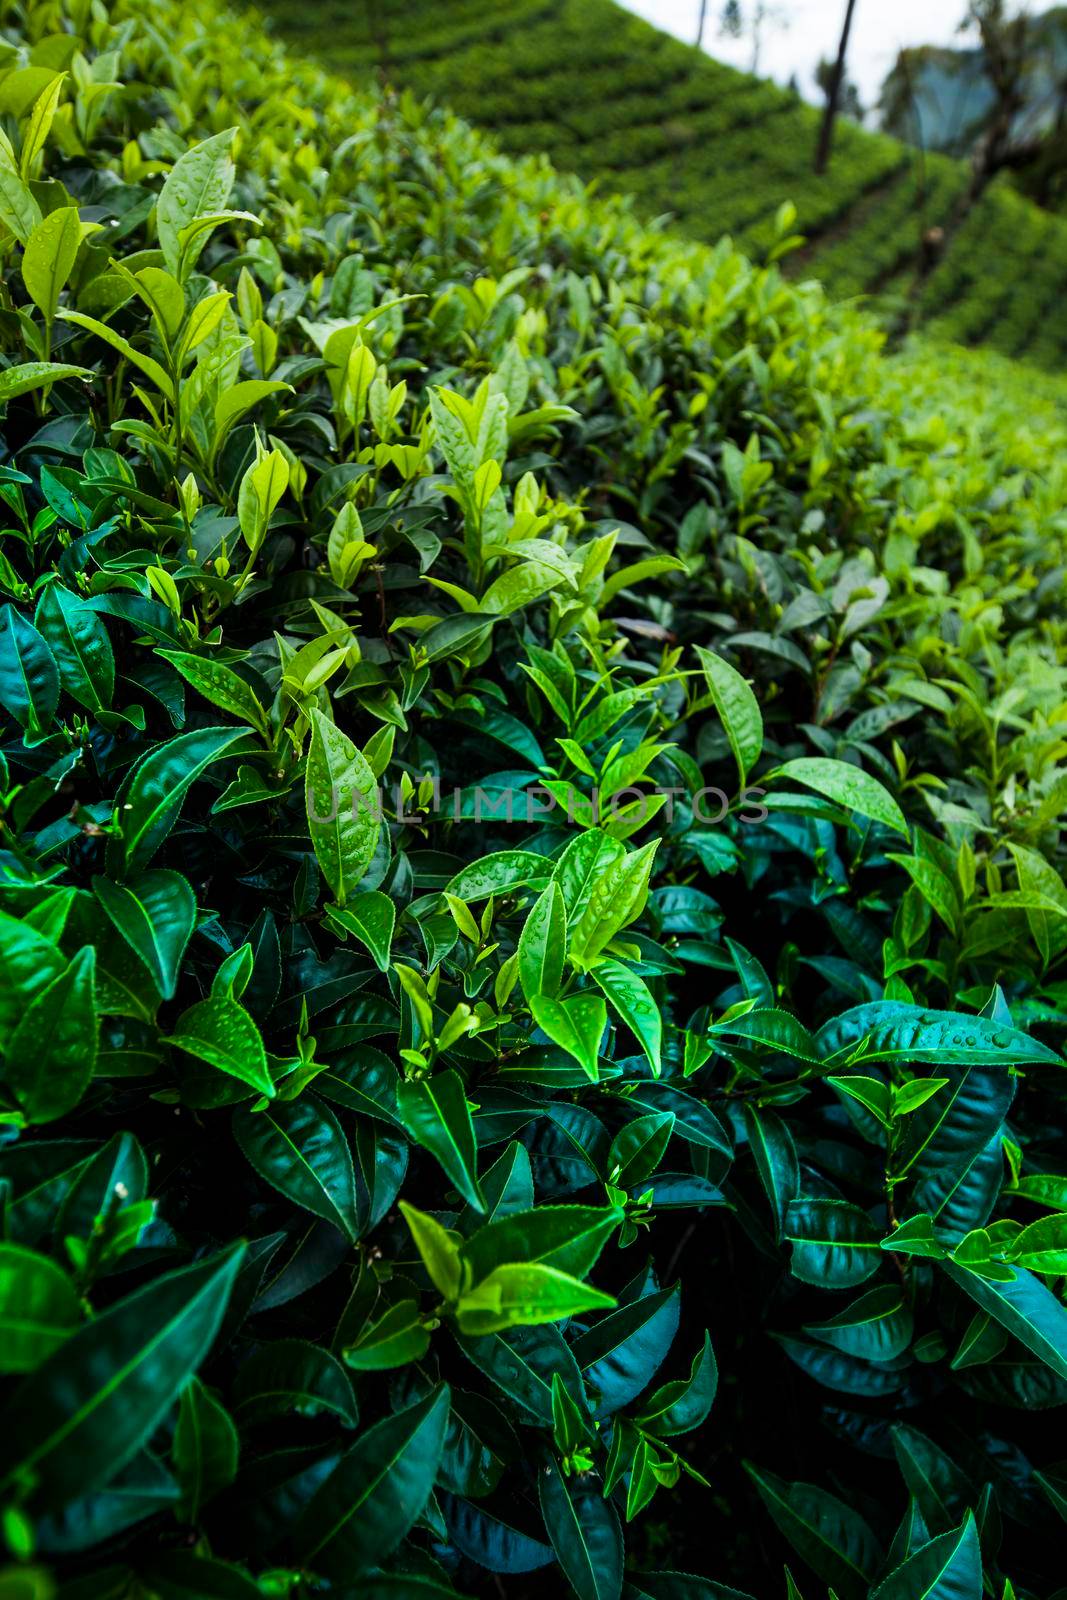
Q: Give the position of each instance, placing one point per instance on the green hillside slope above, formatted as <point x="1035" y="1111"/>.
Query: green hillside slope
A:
<point x="605" y="94"/>
<point x="412" y="1190"/>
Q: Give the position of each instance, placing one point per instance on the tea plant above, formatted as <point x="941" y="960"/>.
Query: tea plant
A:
<point x="531" y="899"/>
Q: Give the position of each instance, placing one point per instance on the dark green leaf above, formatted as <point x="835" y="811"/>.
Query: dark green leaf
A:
<point x="948" y="1568"/>
<point x="939" y="1488"/>
<point x="1023" y="1305"/>
<point x="585" y="1534"/>
<point x="889" y="1030"/>
<point x="622" y="1352"/>
<point x="52" y="1053"/>
<point x="292" y="1376"/>
<point x="569" y="1238"/>
<point x="155" y="913"/>
<point x="684" y="1404"/>
<point x="80" y="646"/>
<point x="776" y="1161"/>
<point x="88" y="1409"/>
<point x="29" y="676"/>
<point x="151" y="797"/>
<point x="376" y="1491"/>
<point x="205" y="1449"/>
<point x="876" y="1327"/>
<point x="638" y="1148"/>
<point x="833" y="1539"/>
<point x="436" y="1115"/>
<point x="522" y="1362"/>
<point x="300" y="1149"/>
<point x="835" y="1244"/>
<point x="38" y="1308"/>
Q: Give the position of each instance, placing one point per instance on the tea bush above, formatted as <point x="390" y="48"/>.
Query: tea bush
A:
<point x="532" y="915"/>
<point x="607" y="95"/>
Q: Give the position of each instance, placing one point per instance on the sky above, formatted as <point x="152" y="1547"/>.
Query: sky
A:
<point x="879" y="29"/>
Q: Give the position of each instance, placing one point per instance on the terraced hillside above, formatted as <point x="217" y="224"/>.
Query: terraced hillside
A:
<point x="605" y="94"/>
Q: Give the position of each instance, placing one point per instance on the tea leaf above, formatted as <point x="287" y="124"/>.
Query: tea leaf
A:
<point x="342" y="807"/>
<point x="374" y="1494"/>
<point x="83" y="1414"/>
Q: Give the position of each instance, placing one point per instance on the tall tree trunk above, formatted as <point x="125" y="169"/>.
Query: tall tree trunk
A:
<point x="833" y="98"/>
<point x="702" y="24"/>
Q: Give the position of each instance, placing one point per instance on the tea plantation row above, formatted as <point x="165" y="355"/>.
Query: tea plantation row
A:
<point x="606" y="95"/>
